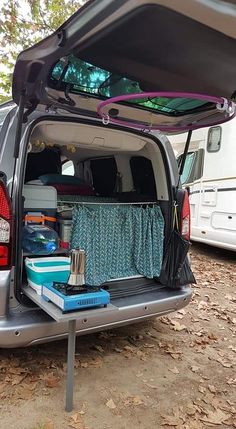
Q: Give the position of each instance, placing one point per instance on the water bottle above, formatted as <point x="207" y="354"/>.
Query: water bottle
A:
<point x="39" y="240"/>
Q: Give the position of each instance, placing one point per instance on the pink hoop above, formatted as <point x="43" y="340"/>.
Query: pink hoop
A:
<point x="222" y="105"/>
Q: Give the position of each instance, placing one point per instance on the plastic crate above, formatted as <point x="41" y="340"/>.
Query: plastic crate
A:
<point x="46" y="270"/>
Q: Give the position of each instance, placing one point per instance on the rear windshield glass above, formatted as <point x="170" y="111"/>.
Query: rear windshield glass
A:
<point x="78" y="76"/>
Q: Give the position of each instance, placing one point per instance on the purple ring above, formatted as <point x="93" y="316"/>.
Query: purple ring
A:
<point x="167" y="94"/>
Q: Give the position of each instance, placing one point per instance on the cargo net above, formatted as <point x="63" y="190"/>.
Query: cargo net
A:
<point x="167" y="111"/>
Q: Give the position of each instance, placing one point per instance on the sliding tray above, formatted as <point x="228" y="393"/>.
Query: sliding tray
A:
<point x="57" y="314"/>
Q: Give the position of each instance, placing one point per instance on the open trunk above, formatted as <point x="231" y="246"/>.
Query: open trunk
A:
<point x="119" y="176"/>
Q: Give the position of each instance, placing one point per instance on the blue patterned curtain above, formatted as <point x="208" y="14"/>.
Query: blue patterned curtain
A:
<point x="119" y="241"/>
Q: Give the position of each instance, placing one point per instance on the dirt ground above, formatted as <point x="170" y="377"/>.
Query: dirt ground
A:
<point x="173" y="372"/>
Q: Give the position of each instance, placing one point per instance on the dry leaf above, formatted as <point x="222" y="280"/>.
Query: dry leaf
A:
<point x="137" y="400"/>
<point x="224" y="363"/>
<point x="76" y="418"/>
<point x="216" y="417"/>
<point x="97" y="363"/>
<point x="117" y="350"/>
<point x="151" y="386"/>
<point x="212" y="388"/>
<point x="177" y="326"/>
<point x="194" y="368"/>
<point x="24" y="392"/>
<point x="51" y="380"/>
<point x="174" y="370"/>
<point x="175" y="420"/>
<point x="17" y="371"/>
<point x="129" y="349"/>
<point x="133" y="400"/>
<point x="83" y="409"/>
<point x="76" y="421"/>
<point x="231" y="381"/>
<point x="110" y="404"/>
<point x="149" y="346"/>
<point x="18" y="379"/>
<point x="99" y="348"/>
<point x="191" y="409"/>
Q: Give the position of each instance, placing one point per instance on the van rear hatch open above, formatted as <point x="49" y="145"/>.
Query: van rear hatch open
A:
<point x="113" y="47"/>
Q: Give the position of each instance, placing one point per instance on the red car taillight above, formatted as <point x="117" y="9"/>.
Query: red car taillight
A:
<point x="185" y="217"/>
<point x="5" y="228"/>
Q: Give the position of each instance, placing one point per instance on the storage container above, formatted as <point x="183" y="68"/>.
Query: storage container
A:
<point x="65" y="232"/>
<point x="40" y="201"/>
<point x="46" y="270"/>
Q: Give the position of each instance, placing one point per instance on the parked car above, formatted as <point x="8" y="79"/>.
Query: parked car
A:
<point x="108" y="47"/>
<point x="210" y="175"/>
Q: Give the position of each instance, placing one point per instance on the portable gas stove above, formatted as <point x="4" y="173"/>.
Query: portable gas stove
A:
<point x="75" y="295"/>
<point x="76" y="298"/>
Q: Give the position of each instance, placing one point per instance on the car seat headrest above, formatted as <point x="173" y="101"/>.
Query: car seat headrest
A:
<point x="46" y="162"/>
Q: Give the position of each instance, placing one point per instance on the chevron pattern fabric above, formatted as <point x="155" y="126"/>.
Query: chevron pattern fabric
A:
<point x="119" y="241"/>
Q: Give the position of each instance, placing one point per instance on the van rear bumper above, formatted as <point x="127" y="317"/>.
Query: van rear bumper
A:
<point x="33" y="326"/>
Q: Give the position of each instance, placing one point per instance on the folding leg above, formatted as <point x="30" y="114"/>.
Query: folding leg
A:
<point x="70" y="365"/>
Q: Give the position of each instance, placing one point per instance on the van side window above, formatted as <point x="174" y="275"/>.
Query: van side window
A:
<point x="68" y="168"/>
<point x="143" y="176"/>
<point x="185" y="177"/>
<point x="104" y="174"/>
<point x="193" y="168"/>
<point x="214" y="139"/>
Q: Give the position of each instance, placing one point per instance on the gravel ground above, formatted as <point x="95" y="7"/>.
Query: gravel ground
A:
<point x="173" y="372"/>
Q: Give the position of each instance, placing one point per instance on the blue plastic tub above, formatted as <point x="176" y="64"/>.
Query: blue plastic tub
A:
<point x="46" y="270"/>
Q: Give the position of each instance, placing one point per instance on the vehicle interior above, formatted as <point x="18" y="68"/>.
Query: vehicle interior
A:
<point x="101" y="168"/>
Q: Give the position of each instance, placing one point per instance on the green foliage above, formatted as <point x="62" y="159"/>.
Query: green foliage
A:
<point x="22" y="24"/>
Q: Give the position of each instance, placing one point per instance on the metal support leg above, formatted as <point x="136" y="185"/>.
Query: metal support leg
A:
<point x="70" y="365"/>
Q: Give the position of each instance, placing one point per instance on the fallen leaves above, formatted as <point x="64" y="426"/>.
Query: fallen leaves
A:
<point x="170" y="349"/>
<point x="174" y="370"/>
<point x="110" y="404"/>
<point x="203" y="383"/>
<point x="216" y="417"/>
<point x="212" y="388"/>
<point x="177" y="326"/>
<point x="76" y="421"/>
<point x="135" y="401"/>
<point x="224" y="363"/>
<point x="51" y="380"/>
<point x="194" y="368"/>
<point x="202" y="389"/>
<point x="99" y="348"/>
<point x="176" y="419"/>
<point x="231" y="381"/>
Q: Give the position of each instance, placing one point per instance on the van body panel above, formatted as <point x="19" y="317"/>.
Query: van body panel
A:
<point x="4" y="293"/>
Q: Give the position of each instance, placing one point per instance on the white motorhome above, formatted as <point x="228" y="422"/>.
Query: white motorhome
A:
<point x="210" y="174"/>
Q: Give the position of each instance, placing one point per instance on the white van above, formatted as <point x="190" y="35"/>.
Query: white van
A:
<point x="210" y="174"/>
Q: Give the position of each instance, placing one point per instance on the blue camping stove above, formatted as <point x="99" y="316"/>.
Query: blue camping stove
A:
<point x="75" y="295"/>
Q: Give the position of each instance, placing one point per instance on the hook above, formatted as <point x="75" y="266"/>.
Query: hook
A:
<point x="105" y="119"/>
<point x="228" y="106"/>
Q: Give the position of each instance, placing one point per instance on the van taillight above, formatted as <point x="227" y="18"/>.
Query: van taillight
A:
<point x="185" y="217"/>
<point x="5" y="228"/>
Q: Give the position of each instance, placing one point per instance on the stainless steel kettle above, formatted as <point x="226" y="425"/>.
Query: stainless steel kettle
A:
<point x="77" y="264"/>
